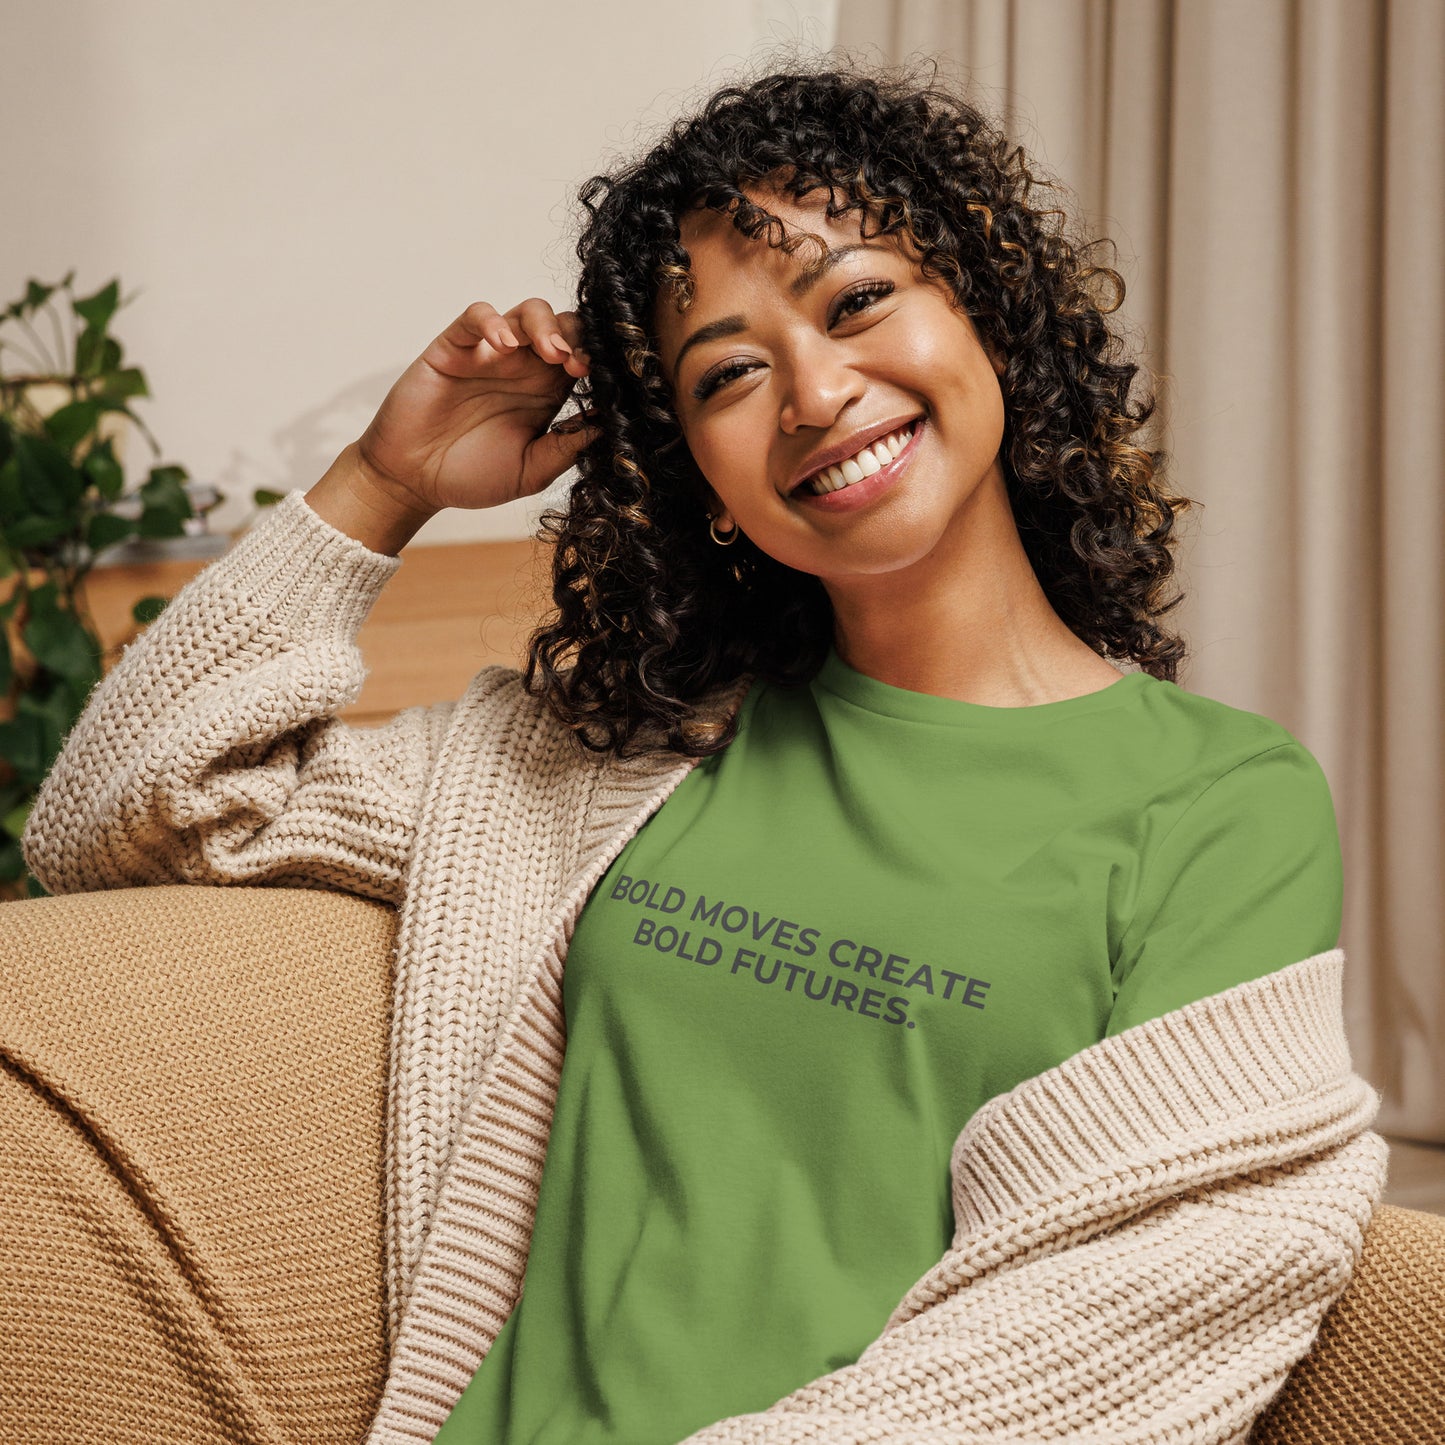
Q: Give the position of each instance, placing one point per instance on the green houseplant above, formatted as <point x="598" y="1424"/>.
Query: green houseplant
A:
<point x="64" y="404"/>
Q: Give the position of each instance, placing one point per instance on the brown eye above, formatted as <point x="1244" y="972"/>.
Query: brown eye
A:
<point x="718" y="377"/>
<point x="864" y="296"/>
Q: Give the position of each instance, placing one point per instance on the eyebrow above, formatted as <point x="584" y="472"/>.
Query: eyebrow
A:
<point x="731" y="325"/>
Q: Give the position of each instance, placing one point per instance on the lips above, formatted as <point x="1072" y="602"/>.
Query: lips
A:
<point x="879" y="457"/>
<point x="849" y="447"/>
<point x="840" y="495"/>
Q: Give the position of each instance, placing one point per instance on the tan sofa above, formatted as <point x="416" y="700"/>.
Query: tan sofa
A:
<point x="191" y="1176"/>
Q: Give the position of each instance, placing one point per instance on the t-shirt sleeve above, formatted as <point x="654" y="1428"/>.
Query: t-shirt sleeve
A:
<point x="1248" y="880"/>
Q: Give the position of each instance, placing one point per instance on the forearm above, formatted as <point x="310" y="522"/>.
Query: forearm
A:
<point x="1181" y="1326"/>
<point x="210" y="752"/>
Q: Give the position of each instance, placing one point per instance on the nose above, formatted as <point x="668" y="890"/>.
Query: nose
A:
<point x="820" y="382"/>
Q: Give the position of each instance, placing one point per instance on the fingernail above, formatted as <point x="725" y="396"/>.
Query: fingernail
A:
<point x="508" y="337"/>
<point x="559" y="343"/>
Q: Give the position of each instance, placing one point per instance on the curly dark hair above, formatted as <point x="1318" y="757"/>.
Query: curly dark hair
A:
<point x="649" y="611"/>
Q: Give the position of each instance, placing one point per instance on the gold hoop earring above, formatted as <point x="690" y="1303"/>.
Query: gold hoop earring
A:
<point x="727" y="541"/>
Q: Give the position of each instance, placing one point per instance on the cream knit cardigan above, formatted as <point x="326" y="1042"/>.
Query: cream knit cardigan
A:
<point x="1147" y="1235"/>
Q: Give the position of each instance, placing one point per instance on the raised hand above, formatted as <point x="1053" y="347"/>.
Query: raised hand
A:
<point x="469" y="422"/>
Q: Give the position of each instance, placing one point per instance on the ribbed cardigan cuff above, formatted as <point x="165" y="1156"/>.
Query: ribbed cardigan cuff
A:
<point x="313" y="578"/>
<point x="1159" y="1088"/>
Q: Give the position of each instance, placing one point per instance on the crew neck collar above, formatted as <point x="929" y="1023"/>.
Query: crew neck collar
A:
<point x="837" y="677"/>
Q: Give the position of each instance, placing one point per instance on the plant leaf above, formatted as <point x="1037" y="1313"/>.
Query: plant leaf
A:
<point x="35" y="530"/>
<point x="12" y="494"/>
<point x="161" y="522"/>
<point x="7" y="669"/>
<point x="36" y="295"/>
<point x="22" y="745"/>
<point x="45" y="597"/>
<point x="105" y="529"/>
<point x="165" y="482"/>
<point x="71" y="697"/>
<point x="148" y="609"/>
<point x="72" y="422"/>
<point x="130" y="381"/>
<point x="51" y="484"/>
<point x="97" y="310"/>
<point x="89" y="352"/>
<point x="262" y="497"/>
<point x="14" y="821"/>
<point x="48" y="707"/>
<point x="96" y="354"/>
<point x="55" y="712"/>
<point x="102" y="468"/>
<point x="167" y="506"/>
<point x="59" y="641"/>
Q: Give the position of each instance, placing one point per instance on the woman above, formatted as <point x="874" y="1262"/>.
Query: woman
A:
<point x="951" y="1019"/>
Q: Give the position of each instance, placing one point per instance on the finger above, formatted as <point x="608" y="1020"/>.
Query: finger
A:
<point x="542" y="329"/>
<point x="481" y="321"/>
<point x="480" y="332"/>
<point x="569" y="323"/>
<point x="551" y="453"/>
<point x="577" y="421"/>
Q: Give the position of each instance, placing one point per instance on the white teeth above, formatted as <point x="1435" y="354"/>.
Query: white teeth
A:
<point x="871" y="459"/>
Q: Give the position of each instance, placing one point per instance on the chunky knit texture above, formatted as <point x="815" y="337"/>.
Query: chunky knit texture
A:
<point x="191" y="1122"/>
<point x="1148" y="1235"/>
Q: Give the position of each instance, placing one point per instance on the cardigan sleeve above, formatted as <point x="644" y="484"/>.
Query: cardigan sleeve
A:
<point x="1247" y="880"/>
<point x="210" y="752"/>
<point x="1149" y="1237"/>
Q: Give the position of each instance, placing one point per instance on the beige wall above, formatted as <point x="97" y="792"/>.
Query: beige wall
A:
<point x="302" y="195"/>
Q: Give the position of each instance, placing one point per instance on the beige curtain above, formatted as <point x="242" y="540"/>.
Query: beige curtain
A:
<point x="1273" y="172"/>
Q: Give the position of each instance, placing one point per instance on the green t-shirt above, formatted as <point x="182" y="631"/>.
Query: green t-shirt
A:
<point x="874" y="911"/>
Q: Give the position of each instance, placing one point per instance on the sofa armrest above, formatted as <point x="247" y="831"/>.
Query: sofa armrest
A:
<point x="192" y="1113"/>
<point x="1376" y="1371"/>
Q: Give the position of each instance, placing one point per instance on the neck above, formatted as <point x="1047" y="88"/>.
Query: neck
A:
<point x="968" y="620"/>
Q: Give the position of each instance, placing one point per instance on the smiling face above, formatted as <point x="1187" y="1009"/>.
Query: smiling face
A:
<point x="780" y="365"/>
